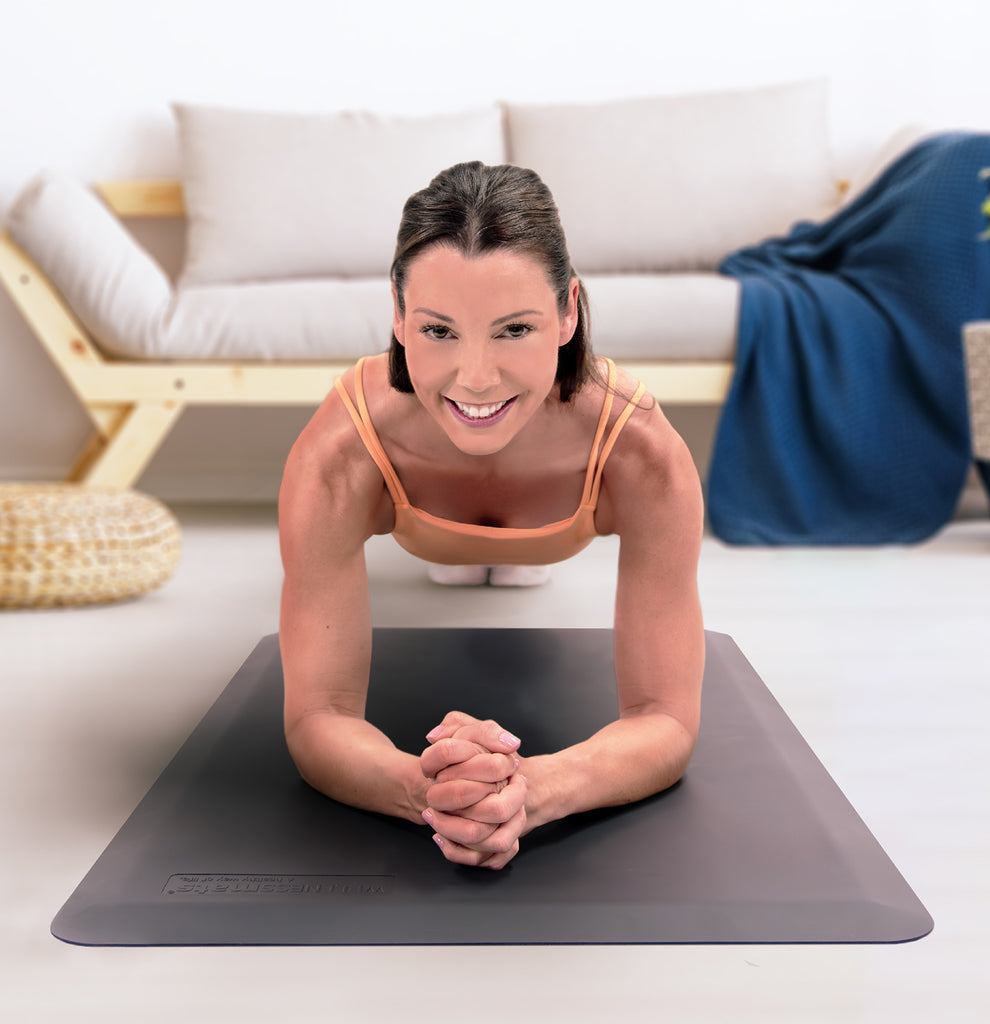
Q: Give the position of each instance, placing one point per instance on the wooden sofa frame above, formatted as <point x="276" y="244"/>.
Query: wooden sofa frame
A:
<point x="134" y="403"/>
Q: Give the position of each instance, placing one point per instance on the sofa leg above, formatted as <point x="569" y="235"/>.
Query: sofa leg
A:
<point x="124" y="445"/>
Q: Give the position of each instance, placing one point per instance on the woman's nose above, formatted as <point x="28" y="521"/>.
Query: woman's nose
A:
<point x="477" y="370"/>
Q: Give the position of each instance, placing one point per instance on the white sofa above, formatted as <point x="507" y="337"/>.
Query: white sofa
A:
<point x="291" y="220"/>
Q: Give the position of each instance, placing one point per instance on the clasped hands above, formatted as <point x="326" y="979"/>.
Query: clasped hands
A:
<point x="476" y="800"/>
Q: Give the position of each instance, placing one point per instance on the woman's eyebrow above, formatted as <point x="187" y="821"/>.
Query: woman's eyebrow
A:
<point x="515" y="316"/>
<point x="495" y="323"/>
<point x="433" y="313"/>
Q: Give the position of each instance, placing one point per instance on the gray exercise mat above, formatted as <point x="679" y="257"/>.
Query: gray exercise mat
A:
<point x="756" y="844"/>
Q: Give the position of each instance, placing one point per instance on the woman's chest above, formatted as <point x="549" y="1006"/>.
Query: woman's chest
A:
<point x="523" y="498"/>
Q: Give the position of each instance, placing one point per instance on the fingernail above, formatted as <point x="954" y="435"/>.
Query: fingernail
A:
<point x="434" y="733"/>
<point x="428" y="816"/>
<point x="508" y="740"/>
<point x="438" y="840"/>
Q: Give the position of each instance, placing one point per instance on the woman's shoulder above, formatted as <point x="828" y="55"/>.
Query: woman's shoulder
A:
<point x="329" y="466"/>
<point x="647" y="433"/>
<point x="650" y="471"/>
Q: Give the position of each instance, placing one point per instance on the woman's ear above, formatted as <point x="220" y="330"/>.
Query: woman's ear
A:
<point x="569" y="321"/>
<point x="398" y="320"/>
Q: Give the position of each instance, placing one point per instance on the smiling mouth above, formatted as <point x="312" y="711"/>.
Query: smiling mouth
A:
<point x="480" y="415"/>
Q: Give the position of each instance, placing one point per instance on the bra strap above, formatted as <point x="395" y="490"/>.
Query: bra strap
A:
<point x="593" y="458"/>
<point x="366" y="430"/>
<point x="631" y="407"/>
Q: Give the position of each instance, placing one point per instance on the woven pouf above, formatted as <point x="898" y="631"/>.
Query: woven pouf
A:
<point x="976" y="345"/>
<point x="62" y="544"/>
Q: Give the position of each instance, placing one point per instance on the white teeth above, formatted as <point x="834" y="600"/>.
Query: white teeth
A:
<point x="480" y="412"/>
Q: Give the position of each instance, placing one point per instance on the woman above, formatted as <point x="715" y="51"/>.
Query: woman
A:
<point x="473" y="442"/>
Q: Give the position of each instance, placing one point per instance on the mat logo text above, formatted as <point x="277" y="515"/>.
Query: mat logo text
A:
<point x="242" y="886"/>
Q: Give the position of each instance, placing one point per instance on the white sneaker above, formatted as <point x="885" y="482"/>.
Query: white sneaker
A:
<point x="458" y="575"/>
<point x="519" y="575"/>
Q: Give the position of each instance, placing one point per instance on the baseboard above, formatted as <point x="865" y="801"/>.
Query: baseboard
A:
<point x="234" y="485"/>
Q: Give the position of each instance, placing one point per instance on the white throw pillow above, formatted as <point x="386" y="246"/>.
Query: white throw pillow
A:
<point x="676" y="183"/>
<point x="115" y="288"/>
<point x="278" y="195"/>
<point x="123" y="298"/>
<point x="894" y="147"/>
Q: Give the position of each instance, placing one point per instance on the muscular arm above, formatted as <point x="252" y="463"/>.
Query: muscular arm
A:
<point x="654" y="504"/>
<point x="326" y="510"/>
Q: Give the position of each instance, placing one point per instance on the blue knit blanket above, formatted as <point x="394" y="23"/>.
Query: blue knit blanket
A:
<point x="846" y="420"/>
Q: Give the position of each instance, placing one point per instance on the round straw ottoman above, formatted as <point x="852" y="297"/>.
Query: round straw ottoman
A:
<point x="62" y="544"/>
<point x="976" y="347"/>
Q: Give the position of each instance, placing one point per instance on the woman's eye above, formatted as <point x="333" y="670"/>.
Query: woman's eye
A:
<point x="438" y="332"/>
<point x="517" y="330"/>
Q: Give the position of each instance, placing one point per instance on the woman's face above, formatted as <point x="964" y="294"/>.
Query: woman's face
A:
<point x="481" y="336"/>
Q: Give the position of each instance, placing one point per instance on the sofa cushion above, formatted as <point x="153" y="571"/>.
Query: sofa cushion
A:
<point x="280" y="320"/>
<point x="278" y="195"/>
<point x="688" y="317"/>
<point x="676" y="183"/>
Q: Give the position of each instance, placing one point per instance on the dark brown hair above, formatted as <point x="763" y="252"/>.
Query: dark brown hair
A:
<point x="477" y="209"/>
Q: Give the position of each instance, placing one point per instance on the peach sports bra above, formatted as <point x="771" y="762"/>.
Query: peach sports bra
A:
<point x="450" y="543"/>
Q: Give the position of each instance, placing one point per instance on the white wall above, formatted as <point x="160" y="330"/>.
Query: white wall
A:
<point x="86" y="89"/>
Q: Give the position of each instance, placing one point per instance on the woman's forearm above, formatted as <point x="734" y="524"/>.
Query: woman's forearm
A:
<point x="352" y="761"/>
<point x="628" y="760"/>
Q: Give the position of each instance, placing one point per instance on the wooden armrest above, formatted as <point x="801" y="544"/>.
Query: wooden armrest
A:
<point x="143" y="198"/>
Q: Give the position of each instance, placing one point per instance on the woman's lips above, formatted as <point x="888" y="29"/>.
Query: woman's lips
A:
<point x="478" y="415"/>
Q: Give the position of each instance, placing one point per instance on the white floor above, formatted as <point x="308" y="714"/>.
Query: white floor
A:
<point x="880" y="656"/>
